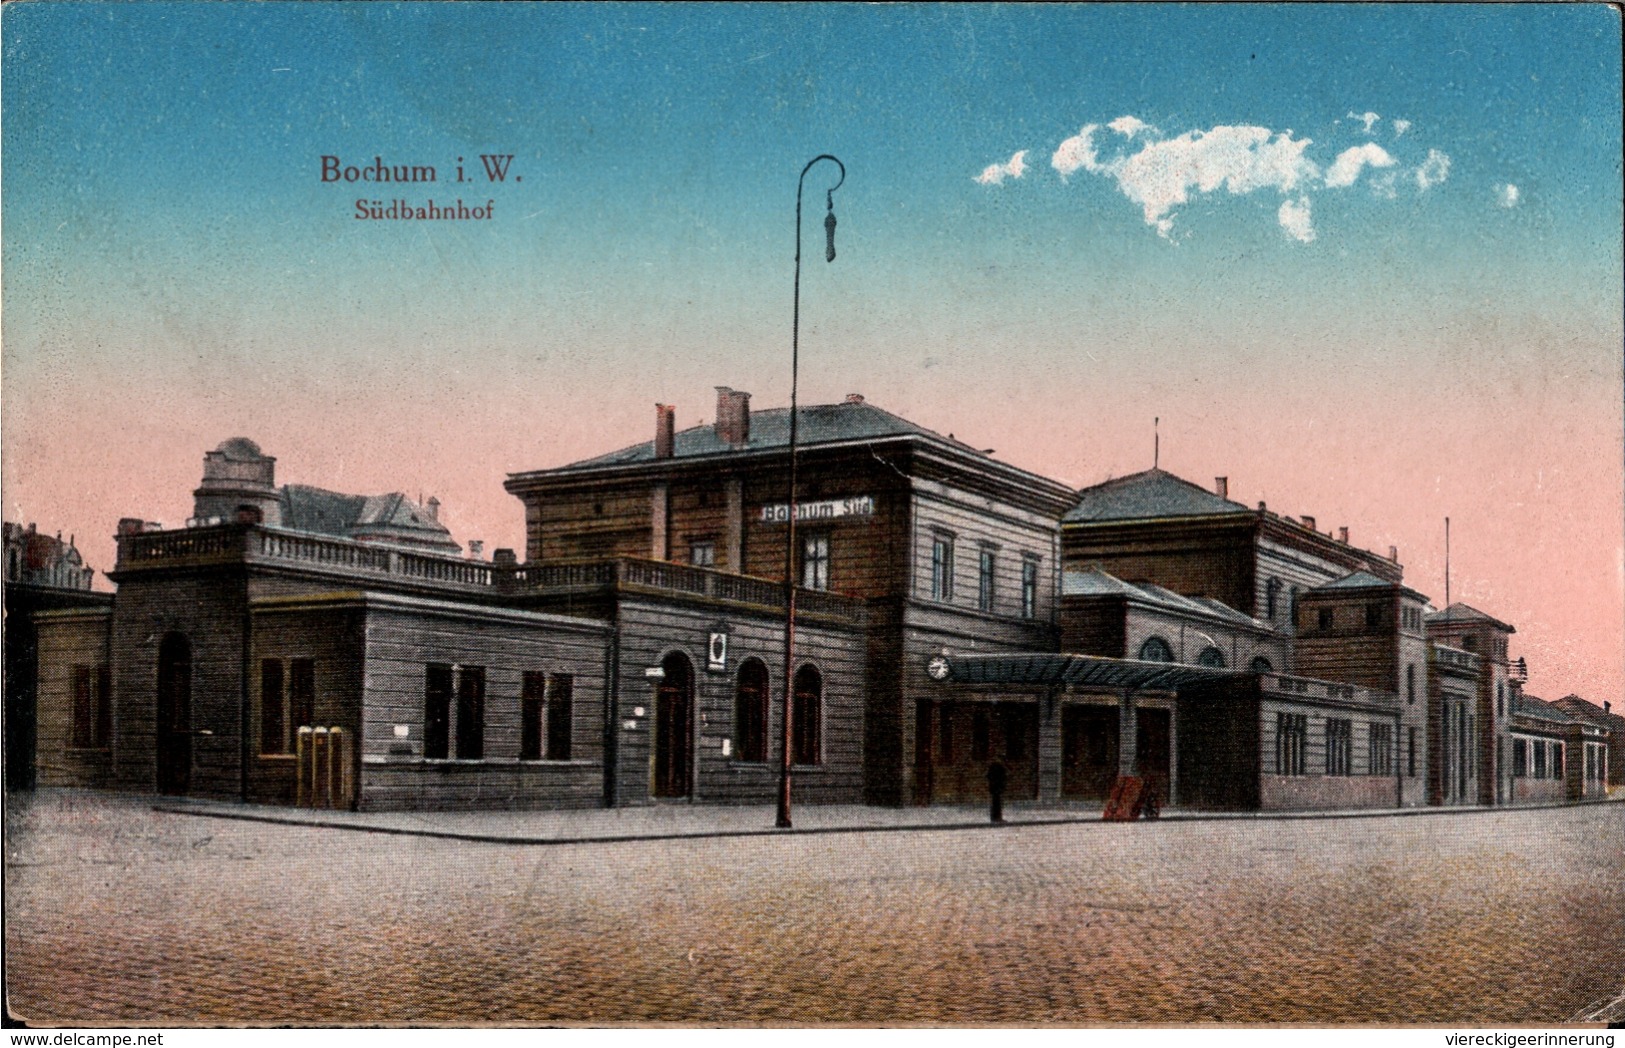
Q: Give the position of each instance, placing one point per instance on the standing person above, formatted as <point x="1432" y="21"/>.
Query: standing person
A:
<point x="996" y="777"/>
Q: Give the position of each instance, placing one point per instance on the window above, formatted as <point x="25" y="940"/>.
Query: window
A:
<point x="1029" y="588"/>
<point x="1260" y="664"/>
<point x="1374" y="615"/>
<point x="532" y="692"/>
<point x="1520" y="758"/>
<point x="1382" y="749"/>
<point x="1540" y="759"/>
<point x="750" y="713"/>
<point x="815" y="561"/>
<point x="1410" y="755"/>
<point x="273" y="725"/>
<point x="1271" y="589"/>
<point x="301" y="693"/>
<point x="984" y="581"/>
<point x="1557" y="760"/>
<point x="980" y="732"/>
<point x="1325" y="618"/>
<point x="1469" y="643"/>
<point x="1291" y="742"/>
<point x="1500" y="699"/>
<point x="703" y="554"/>
<point x="806" y="725"/>
<point x="1410" y="685"/>
<point x="1339" y="746"/>
<point x="436" y="711"/>
<point x="1155" y="649"/>
<point x="942" y="568"/>
<point x="1211" y="657"/>
<point x="471" y="714"/>
<point x="560" y="716"/>
<point x="92" y="708"/>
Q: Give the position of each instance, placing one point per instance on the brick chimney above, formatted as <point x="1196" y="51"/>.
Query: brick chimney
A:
<point x="665" y="431"/>
<point x="1393" y="554"/>
<point x="733" y="416"/>
<point x="432" y="508"/>
<point x="1221" y="487"/>
<point x="854" y="398"/>
<point x="1343" y="536"/>
<point x="1308" y="521"/>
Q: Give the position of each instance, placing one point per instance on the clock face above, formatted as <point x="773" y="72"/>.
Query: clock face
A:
<point x="937" y="668"/>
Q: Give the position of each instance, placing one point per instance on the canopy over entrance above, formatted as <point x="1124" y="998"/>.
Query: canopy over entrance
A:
<point x="1089" y="671"/>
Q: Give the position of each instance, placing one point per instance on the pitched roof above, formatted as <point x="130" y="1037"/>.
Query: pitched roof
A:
<point x="1575" y="706"/>
<point x="1096" y="583"/>
<point x="1357" y="580"/>
<point x="1540" y="709"/>
<point x="306" y="508"/>
<point x="1459" y="612"/>
<point x="770" y="428"/>
<point x="1152" y="494"/>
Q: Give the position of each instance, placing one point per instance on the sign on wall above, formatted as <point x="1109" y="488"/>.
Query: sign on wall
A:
<point x="827" y="509"/>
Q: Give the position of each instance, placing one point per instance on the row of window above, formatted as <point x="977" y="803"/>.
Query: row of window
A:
<point x="752" y="699"/>
<point x="1014" y="729"/>
<point x="1292" y="746"/>
<point x="1156" y="649"/>
<point x="942" y="577"/>
<point x="287" y="702"/>
<point x="1537" y="759"/>
<point x="545" y="713"/>
<point x="92" y="708"/>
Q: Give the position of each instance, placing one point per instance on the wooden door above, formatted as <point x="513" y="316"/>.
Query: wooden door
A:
<point x="674" y="729"/>
<point x="174" y="734"/>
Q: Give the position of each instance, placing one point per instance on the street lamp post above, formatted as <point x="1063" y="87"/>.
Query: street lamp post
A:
<point x="783" y="820"/>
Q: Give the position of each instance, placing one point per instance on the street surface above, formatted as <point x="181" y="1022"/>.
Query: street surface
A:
<point x="117" y="914"/>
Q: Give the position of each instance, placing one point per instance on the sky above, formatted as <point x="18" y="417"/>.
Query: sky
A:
<point x="1363" y="260"/>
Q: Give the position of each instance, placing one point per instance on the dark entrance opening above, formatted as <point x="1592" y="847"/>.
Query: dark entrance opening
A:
<point x="674" y="736"/>
<point x="1089" y="751"/>
<point x="174" y="737"/>
<point x="1152" y="751"/>
<point x="965" y="738"/>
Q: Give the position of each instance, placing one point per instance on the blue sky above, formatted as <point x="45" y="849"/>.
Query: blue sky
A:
<point x="176" y="273"/>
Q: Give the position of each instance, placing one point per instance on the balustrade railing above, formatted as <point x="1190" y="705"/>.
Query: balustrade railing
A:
<point x="1288" y="684"/>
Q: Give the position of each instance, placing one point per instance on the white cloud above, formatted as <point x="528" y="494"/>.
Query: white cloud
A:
<point x="1507" y="195"/>
<point x="1400" y="127"/>
<point x="1346" y="168"/>
<point x="1384" y="186"/>
<point x="1435" y="169"/>
<point x="1161" y="176"/>
<point x="1077" y="151"/>
<point x="1129" y="126"/>
<point x="1294" y="218"/>
<point x="994" y="174"/>
<point x="1367" y="118"/>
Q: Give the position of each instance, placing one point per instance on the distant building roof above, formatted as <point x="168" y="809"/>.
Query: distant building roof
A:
<point x="1463" y="613"/>
<point x="770" y="428"/>
<point x="1540" y="709"/>
<point x="1365" y="580"/>
<point x="37" y="559"/>
<point x="1577" y="707"/>
<point x="1152" y="494"/>
<point x="391" y="517"/>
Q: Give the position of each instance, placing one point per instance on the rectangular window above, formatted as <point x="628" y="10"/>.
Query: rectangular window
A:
<point x="1291" y="742"/>
<point x="1373" y="615"/>
<point x="82" y="707"/>
<point x="102" y="738"/>
<point x="984" y="581"/>
<point x="1520" y="759"/>
<point x="436" y="711"/>
<point x="301" y="693"/>
<point x="273" y="723"/>
<point x="703" y="554"/>
<point x="1382" y="749"/>
<point x="1339" y="746"/>
<point x="1557" y="760"/>
<point x="1029" y="588"/>
<point x="1325" y="618"/>
<point x="1540" y="759"/>
<point x="815" y="562"/>
<point x="1410" y="755"/>
<point x="559" y="716"/>
<point x="471" y="714"/>
<point x="942" y="568"/>
<point x="532" y="689"/>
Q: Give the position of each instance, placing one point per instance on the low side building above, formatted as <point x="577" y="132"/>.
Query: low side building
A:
<point x="1540" y="751"/>
<point x="1613" y="755"/>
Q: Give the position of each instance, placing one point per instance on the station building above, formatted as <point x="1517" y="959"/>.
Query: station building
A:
<point x="293" y="644"/>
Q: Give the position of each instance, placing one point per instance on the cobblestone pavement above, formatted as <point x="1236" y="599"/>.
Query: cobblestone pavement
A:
<point x="119" y="914"/>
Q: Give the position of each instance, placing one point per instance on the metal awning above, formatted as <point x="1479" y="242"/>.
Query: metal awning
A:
<point x="1089" y="671"/>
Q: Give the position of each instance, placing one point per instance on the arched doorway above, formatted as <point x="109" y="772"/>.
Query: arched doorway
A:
<point x="174" y="741"/>
<point x="674" y="719"/>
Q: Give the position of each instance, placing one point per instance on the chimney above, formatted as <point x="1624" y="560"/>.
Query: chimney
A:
<point x="733" y="416"/>
<point x="1343" y="536"/>
<point x="854" y="398"/>
<point x="1308" y="521"/>
<point x="432" y="507"/>
<point x="1261" y="505"/>
<point x="126" y="526"/>
<point x="665" y="431"/>
<point x="504" y="558"/>
<point x="1221" y="487"/>
<point x="476" y="549"/>
<point x="1607" y="707"/>
<point x="1393" y="554"/>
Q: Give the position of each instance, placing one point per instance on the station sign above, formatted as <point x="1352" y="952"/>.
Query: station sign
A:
<point x="827" y="509"/>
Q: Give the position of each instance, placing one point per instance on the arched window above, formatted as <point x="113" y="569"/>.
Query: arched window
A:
<point x="1260" y="664"/>
<point x="750" y="713"/>
<point x="1155" y="649"/>
<point x="807" y="718"/>
<point x="1211" y="657"/>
